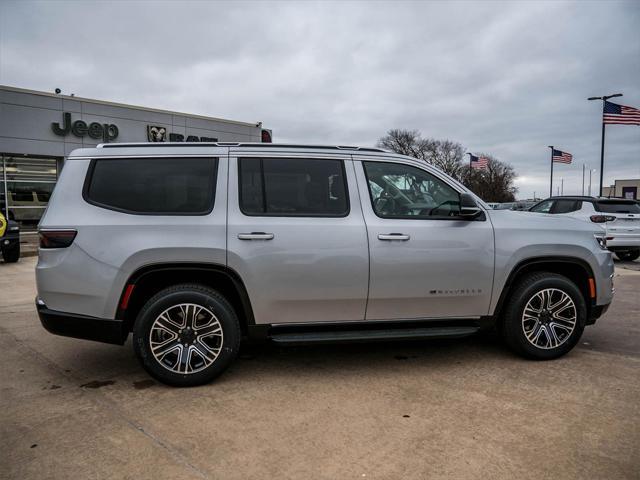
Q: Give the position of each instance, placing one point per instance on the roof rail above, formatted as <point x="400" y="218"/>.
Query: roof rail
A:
<point x="238" y="144"/>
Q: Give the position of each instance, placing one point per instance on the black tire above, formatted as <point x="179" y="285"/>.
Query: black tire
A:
<point x="628" y="255"/>
<point x="11" y="254"/>
<point x="513" y="325"/>
<point x="226" y="344"/>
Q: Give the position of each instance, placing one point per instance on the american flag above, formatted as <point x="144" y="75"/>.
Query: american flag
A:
<point x="614" y="113"/>
<point x="479" y="163"/>
<point x="561" y="157"/>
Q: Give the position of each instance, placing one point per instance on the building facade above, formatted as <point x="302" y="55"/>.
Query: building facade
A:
<point x="623" y="189"/>
<point x="37" y="130"/>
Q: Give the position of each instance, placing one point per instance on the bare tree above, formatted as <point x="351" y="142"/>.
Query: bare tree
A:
<point x="495" y="184"/>
<point x="404" y="142"/>
<point x="443" y="154"/>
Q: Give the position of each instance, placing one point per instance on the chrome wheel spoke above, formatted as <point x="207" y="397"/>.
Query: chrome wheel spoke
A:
<point x="186" y="338"/>
<point x="206" y="352"/>
<point x="164" y="322"/>
<point x="161" y="349"/>
<point x="549" y="318"/>
<point x="212" y="329"/>
<point x="185" y="355"/>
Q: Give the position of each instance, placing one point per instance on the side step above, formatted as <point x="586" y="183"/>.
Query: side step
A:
<point x="371" y="335"/>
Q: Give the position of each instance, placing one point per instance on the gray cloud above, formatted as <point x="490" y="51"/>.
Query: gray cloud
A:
<point x="502" y="78"/>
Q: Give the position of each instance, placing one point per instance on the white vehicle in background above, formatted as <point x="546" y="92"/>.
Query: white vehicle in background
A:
<point x="619" y="217"/>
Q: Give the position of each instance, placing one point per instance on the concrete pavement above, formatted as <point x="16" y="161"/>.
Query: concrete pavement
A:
<point x="447" y="409"/>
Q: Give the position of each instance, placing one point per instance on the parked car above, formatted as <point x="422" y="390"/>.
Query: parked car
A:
<point x="205" y="244"/>
<point x="619" y="217"/>
<point x="9" y="240"/>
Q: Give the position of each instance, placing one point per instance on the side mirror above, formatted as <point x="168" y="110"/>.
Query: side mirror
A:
<point x="469" y="209"/>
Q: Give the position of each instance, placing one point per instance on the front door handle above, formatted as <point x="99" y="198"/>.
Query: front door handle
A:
<point x="255" y="236"/>
<point x="394" y="236"/>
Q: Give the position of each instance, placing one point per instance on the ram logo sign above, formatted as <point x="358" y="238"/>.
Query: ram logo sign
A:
<point x="156" y="134"/>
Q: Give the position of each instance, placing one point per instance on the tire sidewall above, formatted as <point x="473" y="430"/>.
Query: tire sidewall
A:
<point x="158" y="304"/>
<point x="516" y="331"/>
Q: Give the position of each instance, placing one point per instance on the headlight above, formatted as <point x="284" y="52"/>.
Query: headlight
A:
<point x="602" y="241"/>
<point x="14" y="229"/>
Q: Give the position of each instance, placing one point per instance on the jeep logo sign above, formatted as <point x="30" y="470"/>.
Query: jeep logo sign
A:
<point x="106" y="131"/>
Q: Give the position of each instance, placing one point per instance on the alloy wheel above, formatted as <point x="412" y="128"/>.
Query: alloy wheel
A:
<point x="549" y="318"/>
<point x="186" y="338"/>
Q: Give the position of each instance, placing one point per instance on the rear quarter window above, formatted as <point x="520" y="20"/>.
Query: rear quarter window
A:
<point x="153" y="186"/>
<point x="617" y="207"/>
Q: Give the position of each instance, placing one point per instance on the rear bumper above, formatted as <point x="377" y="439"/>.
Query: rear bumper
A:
<point x="620" y="241"/>
<point x="81" y="326"/>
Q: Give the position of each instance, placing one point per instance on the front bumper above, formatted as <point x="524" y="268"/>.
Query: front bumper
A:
<point x="596" y="312"/>
<point x="82" y="326"/>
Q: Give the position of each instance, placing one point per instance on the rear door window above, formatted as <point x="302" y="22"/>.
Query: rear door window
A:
<point x="612" y="206"/>
<point x="153" y="186"/>
<point x="293" y="187"/>
<point x="566" y="206"/>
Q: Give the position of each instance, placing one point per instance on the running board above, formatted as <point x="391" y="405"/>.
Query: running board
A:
<point x="371" y="335"/>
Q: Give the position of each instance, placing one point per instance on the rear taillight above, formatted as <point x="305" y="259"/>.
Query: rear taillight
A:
<point x="56" y="238"/>
<point x="602" y="218"/>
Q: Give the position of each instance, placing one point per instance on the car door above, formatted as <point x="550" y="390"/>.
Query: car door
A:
<point x="425" y="261"/>
<point x="296" y="236"/>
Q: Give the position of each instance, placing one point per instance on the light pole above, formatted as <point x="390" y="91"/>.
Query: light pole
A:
<point x="591" y="170"/>
<point x="604" y="98"/>
<point x="583" y="179"/>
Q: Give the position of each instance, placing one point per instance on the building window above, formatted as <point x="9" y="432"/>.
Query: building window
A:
<point x="26" y="183"/>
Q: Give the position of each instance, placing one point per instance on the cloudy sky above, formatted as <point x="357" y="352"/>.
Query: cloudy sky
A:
<point x="501" y="78"/>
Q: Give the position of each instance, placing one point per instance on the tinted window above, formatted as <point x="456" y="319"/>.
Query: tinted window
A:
<point x="566" y="206"/>
<point x="542" y="207"/>
<point x="617" y="207"/>
<point x="403" y="191"/>
<point x="171" y="186"/>
<point x="291" y="187"/>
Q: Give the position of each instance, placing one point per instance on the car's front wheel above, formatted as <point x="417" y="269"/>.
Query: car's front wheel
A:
<point x="545" y="316"/>
<point x="186" y="335"/>
<point x="628" y="255"/>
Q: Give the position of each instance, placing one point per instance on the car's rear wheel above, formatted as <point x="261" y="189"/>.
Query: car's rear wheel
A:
<point x="628" y="255"/>
<point x="545" y="316"/>
<point x="11" y="254"/>
<point x="186" y="335"/>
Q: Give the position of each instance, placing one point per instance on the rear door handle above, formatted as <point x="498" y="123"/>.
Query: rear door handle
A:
<point x="394" y="236"/>
<point x="255" y="236"/>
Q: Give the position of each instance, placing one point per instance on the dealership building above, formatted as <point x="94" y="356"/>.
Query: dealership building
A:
<point x="37" y="130"/>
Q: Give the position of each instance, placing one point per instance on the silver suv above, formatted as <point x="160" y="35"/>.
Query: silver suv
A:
<point x="193" y="247"/>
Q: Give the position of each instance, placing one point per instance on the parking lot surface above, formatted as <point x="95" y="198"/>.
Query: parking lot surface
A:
<point x="441" y="409"/>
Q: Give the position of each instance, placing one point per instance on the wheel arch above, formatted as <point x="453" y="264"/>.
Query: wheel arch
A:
<point x="574" y="268"/>
<point x="148" y="280"/>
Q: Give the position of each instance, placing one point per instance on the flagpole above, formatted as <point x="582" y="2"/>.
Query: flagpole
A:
<point x="604" y="99"/>
<point x="551" y="181"/>
<point x="602" y="151"/>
